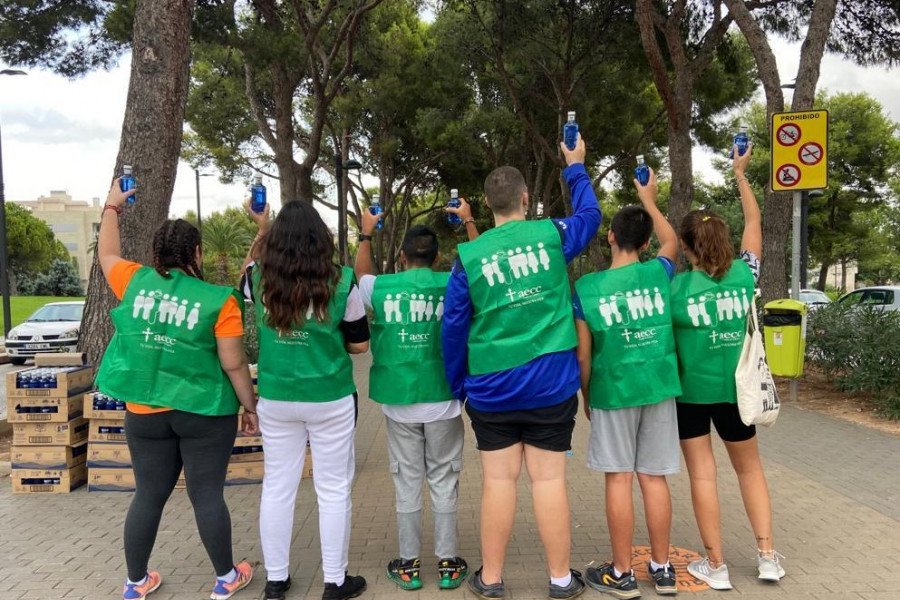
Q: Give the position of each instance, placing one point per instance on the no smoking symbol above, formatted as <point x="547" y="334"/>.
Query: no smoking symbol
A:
<point x="811" y="153"/>
<point x="788" y="134"/>
<point x="788" y="175"/>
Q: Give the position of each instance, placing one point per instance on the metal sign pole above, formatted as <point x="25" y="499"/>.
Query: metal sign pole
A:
<point x="796" y="222"/>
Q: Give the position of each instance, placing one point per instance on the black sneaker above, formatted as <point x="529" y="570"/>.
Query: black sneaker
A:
<point x="405" y="573"/>
<point x="484" y="591"/>
<point x="452" y="572"/>
<point x="573" y="590"/>
<point x="275" y="589"/>
<point x="353" y="586"/>
<point x="603" y="579"/>
<point x="664" y="579"/>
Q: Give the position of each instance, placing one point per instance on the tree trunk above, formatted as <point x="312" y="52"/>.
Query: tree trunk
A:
<point x="681" y="160"/>
<point x="823" y="275"/>
<point x="150" y="142"/>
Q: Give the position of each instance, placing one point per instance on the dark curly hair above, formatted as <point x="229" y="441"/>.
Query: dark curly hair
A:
<point x="175" y="246"/>
<point x="297" y="268"/>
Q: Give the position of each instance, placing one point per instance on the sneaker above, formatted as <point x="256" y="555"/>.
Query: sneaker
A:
<point x="716" y="578"/>
<point x="452" y="572"/>
<point x="135" y="591"/>
<point x="484" y="591"/>
<point x="353" y="586"/>
<point x="223" y="591"/>
<point x="770" y="569"/>
<point x="275" y="589"/>
<point x="405" y="573"/>
<point x="664" y="579"/>
<point x="573" y="590"/>
<point x="603" y="579"/>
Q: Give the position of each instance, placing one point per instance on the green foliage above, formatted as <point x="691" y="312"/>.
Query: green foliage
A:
<point x="858" y="348"/>
<point x="32" y="245"/>
<point x="60" y="280"/>
<point x="226" y="239"/>
<point x="251" y="334"/>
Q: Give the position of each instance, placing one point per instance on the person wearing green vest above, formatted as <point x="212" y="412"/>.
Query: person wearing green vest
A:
<point x="629" y="381"/>
<point x="309" y="318"/>
<point x="710" y="307"/>
<point x="424" y="425"/>
<point x="509" y="340"/>
<point x="177" y="360"/>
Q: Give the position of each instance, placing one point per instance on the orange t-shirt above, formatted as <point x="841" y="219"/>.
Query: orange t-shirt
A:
<point x="229" y="323"/>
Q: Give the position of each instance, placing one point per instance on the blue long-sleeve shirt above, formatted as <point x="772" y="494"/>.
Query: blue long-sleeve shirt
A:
<point x="545" y="380"/>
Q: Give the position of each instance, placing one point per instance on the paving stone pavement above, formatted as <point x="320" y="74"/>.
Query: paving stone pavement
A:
<point x="835" y="488"/>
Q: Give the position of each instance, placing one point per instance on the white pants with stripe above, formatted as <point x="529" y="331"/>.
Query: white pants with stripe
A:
<point x="286" y="427"/>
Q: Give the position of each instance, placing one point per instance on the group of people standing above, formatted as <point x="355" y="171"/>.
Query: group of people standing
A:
<point x="501" y="336"/>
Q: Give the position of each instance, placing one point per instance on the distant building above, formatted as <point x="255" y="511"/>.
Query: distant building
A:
<point x="74" y="222"/>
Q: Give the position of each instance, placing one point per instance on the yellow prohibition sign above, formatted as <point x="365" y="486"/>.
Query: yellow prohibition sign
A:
<point x="799" y="150"/>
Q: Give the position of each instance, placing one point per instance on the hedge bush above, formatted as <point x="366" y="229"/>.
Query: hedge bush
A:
<point x="858" y="349"/>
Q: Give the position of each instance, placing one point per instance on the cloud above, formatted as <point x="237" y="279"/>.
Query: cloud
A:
<point x="42" y="125"/>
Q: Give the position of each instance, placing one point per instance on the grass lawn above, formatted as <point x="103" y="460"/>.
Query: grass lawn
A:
<point x="22" y="306"/>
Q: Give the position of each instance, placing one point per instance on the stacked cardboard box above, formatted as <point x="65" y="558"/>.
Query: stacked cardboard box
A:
<point x="108" y="459"/>
<point x="45" y="409"/>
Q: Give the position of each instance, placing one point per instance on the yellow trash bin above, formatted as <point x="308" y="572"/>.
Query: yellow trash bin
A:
<point x="784" y="325"/>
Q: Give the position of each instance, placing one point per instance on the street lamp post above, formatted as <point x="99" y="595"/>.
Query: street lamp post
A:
<point x="4" y="257"/>
<point x="339" y="167"/>
<point x="198" y="175"/>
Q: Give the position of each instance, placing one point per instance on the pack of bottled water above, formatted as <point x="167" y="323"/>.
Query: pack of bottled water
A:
<point x="41" y="377"/>
<point x="104" y="402"/>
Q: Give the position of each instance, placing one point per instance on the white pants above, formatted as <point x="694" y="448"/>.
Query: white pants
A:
<point x="286" y="427"/>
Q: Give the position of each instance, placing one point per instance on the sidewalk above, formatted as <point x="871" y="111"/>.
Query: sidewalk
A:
<point x="835" y="488"/>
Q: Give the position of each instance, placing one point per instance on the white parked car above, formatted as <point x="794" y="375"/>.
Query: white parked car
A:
<point x="53" y="327"/>
<point x="882" y="297"/>
<point x="814" y="299"/>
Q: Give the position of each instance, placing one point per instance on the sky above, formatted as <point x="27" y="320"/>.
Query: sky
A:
<point x="60" y="134"/>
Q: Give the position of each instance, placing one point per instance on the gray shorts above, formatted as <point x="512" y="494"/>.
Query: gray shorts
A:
<point x="640" y="438"/>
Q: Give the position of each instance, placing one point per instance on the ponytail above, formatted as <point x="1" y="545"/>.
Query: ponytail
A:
<point x="706" y="235"/>
<point x="174" y="247"/>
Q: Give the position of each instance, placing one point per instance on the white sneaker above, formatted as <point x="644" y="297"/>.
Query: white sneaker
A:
<point x="716" y="578"/>
<point x="770" y="569"/>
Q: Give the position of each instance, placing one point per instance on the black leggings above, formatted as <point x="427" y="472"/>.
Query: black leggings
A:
<point x="160" y="444"/>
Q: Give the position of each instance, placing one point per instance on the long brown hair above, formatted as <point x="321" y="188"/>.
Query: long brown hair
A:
<point x="297" y="268"/>
<point x="175" y="246"/>
<point x="706" y="235"/>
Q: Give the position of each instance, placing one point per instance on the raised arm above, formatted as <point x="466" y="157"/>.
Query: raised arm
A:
<point x="668" y="241"/>
<point x="752" y="238"/>
<point x="262" y="222"/>
<point x="581" y="227"/>
<point x="109" y="244"/>
<point x="464" y="212"/>
<point x="364" y="263"/>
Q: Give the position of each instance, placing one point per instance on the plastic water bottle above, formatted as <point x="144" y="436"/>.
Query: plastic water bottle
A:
<point x="570" y="131"/>
<point x="127" y="182"/>
<point x="642" y="171"/>
<point x="454" y="203"/>
<point x="258" y="195"/>
<point x="742" y="141"/>
<point x="375" y="209"/>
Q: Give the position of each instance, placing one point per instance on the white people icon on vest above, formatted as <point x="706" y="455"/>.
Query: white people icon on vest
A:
<point x="710" y="309"/>
<point x="420" y="309"/>
<point x="520" y="264"/>
<point x="169" y="309"/>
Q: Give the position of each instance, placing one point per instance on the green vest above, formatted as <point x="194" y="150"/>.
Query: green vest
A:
<point x="309" y="363"/>
<point x="520" y="294"/>
<point x="164" y="353"/>
<point x="407" y="363"/>
<point x="710" y="319"/>
<point x="628" y="311"/>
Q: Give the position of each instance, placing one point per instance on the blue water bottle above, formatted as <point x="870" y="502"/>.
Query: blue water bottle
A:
<point x="258" y="195"/>
<point x="742" y="141"/>
<point x="127" y="182"/>
<point x="642" y="171"/>
<point x="454" y="203"/>
<point x="375" y="209"/>
<point x="570" y="131"/>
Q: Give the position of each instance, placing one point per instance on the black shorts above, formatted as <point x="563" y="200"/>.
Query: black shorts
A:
<point x="694" y="419"/>
<point x="548" y="428"/>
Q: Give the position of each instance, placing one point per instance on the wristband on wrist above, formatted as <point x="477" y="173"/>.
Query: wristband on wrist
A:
<point x="365" y="237"/>
<point x="469" y="220"/>
<point x="742" y="178"/>
<point x="118" y="209"/>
